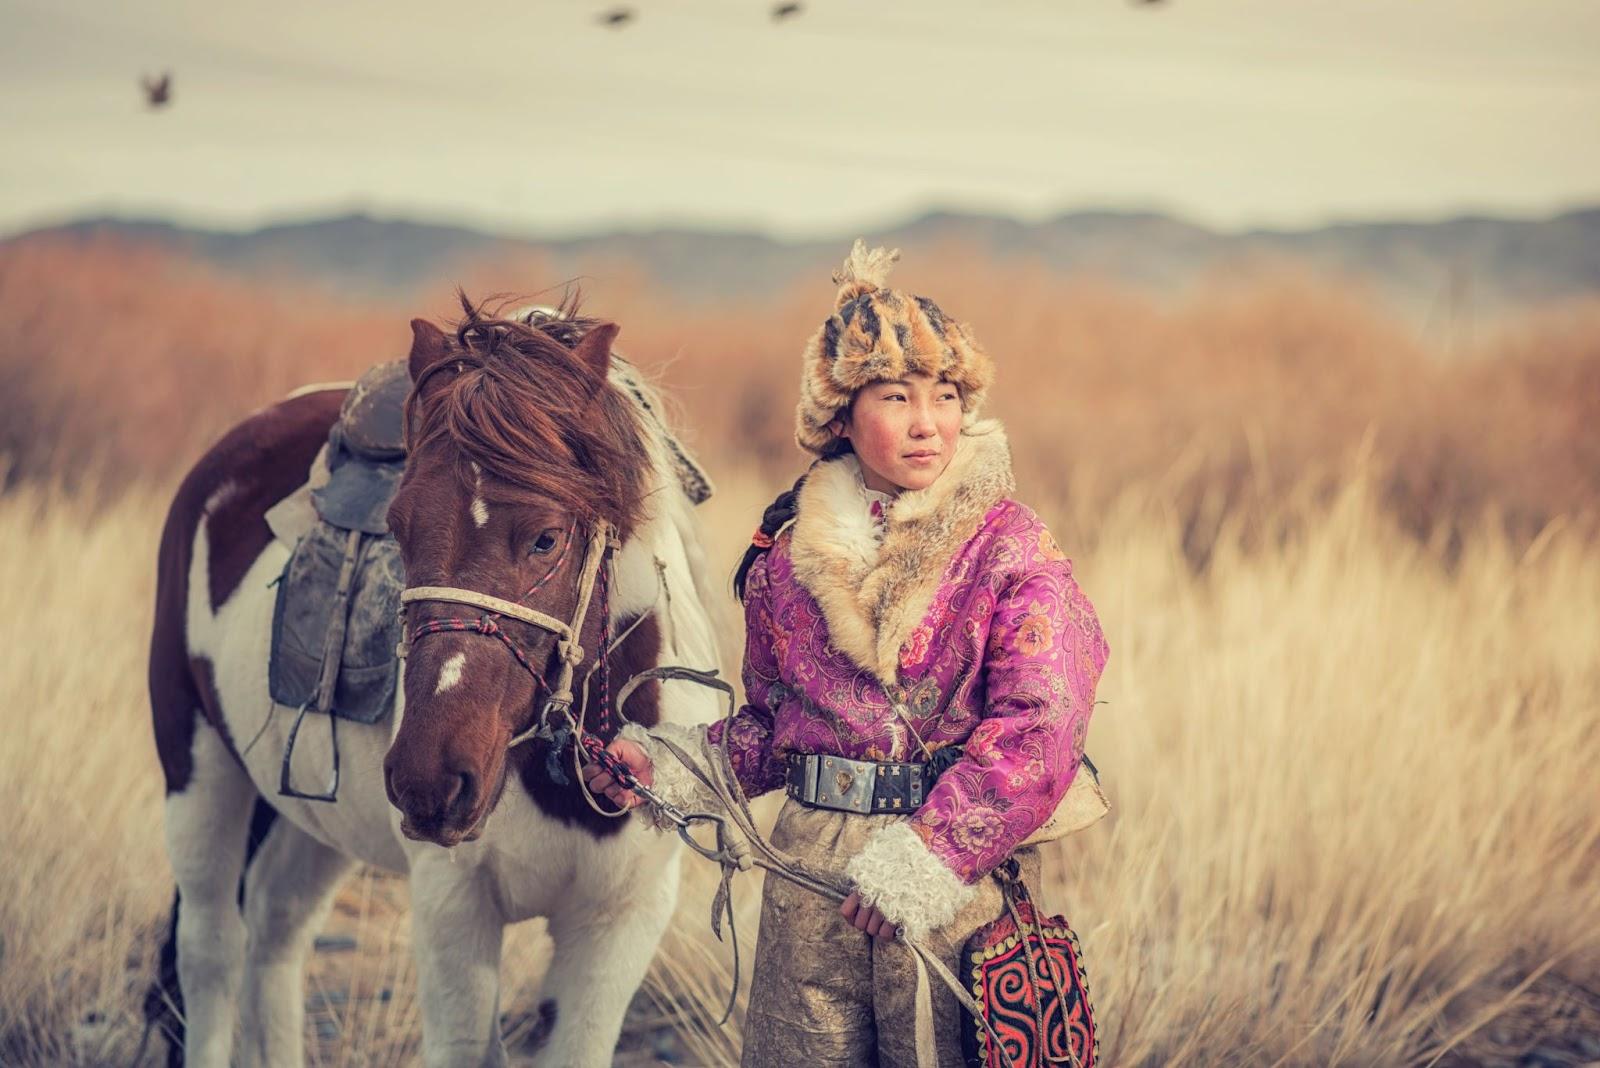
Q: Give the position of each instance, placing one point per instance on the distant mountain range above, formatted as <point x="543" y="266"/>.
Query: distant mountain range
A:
<point x="1493" y="263"/>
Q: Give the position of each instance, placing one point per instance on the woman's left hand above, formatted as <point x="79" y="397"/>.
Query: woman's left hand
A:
<point x="866" y="918"/>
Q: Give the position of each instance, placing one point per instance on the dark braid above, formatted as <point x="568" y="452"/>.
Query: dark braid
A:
<point x="781" y="510"/>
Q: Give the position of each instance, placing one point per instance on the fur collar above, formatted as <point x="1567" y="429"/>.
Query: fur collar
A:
<point x="872" y="594"/>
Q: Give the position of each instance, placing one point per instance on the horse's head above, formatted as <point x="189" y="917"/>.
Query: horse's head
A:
<point x="520" y="451"/>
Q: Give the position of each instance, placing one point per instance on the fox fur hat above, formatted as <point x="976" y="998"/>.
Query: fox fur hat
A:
<point x="878" y="334"/>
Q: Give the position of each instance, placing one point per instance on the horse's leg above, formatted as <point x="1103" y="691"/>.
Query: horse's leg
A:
<point x="288" y="888"/>
<point x="457" y="930"/>
<point x="603" y="945"/>
<point x="207" y="830"/>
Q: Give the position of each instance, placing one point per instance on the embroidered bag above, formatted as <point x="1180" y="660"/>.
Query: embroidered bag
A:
<point x="1026" y="973"/>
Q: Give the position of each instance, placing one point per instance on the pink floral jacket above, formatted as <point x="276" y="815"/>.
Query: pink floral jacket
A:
<point x="964" y="616"/>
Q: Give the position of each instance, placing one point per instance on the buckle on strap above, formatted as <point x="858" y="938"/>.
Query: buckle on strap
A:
<point x="840" y="783"/>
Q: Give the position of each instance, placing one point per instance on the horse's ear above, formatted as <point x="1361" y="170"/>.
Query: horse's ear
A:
<point x="428" y="346"/>
<point x="594" y="350"/>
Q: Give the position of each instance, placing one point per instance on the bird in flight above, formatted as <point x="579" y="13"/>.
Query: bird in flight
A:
<point x="783" y="11"/>
<point x="617" y="17"/>
<point x="157" y="91"/>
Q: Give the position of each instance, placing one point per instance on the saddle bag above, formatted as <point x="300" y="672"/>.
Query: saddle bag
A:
<point x="1026" y="973"/>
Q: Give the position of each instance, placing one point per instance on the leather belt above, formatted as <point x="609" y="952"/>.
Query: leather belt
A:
<point x="863" y="786"/>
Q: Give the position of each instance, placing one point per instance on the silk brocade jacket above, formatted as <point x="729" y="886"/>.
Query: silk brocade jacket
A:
<point x="958" y="619"/>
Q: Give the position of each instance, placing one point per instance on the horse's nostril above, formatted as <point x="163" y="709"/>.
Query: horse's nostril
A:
<point x="388" y="785"/>
<point x="441" y="795"/>
<point x="465" y="795"/>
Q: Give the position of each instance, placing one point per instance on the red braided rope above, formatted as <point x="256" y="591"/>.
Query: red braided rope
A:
<point x="555" y="565"/>
<point x="481" y="625"/>
<point x="609" y="762"/>
<point x="605" y="648"/>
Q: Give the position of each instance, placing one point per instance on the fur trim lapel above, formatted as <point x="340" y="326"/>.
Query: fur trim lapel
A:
<point x="874" y="595"/>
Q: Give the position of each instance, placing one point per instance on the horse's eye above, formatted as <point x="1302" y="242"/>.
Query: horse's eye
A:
<point x="544" y="543"/>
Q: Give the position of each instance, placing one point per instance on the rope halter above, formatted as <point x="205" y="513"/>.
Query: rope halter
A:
<point x="571" y="654"/>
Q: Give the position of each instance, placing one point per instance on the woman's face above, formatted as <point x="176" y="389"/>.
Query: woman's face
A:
<point x="904" y="432"/>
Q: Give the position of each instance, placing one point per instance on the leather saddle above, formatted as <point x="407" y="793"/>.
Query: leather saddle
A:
<point x="336" y="621"/>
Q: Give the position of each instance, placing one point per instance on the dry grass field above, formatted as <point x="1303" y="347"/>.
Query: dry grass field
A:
<point x="1350" y="584"/>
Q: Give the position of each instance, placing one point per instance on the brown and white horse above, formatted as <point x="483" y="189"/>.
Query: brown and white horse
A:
<point x="522" y="447"/>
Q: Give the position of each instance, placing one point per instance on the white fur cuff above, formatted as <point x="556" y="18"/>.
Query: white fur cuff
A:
<point x="914" y="889"/>
<point x="673" y="783"/>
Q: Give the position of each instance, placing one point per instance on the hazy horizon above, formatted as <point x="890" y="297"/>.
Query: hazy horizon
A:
<point x="515" y="231"/>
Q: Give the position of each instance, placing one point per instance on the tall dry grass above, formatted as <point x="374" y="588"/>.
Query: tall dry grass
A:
<point x="1352" y="775"/>
<point x="82" y="876"/>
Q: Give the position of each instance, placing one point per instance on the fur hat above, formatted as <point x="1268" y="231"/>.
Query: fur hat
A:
<point x="878" y="334"/>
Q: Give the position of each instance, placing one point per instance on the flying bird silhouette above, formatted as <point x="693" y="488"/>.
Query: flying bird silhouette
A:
<point x="783" y="11"/>
<point x="157" y="91"/>
<point x="617" y="17"/>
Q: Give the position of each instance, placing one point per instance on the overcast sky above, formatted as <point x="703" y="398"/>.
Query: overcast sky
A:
<point x="531" y="117"/>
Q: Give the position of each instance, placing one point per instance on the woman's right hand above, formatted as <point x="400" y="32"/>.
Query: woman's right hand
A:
<point x="600" y="781"/>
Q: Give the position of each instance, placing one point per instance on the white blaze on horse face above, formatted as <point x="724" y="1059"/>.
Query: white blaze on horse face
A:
<point x="480" y="510"/>
<point x="450" y="673"/>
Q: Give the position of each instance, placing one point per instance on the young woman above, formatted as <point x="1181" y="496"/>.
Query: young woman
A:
<point x="919" y="671"/>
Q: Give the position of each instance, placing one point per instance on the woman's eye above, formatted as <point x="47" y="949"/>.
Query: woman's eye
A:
<point x="544" y="543"/>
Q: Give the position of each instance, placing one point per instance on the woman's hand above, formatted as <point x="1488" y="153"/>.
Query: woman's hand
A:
<point x="866" y="918"/>
<point x="600" y="781"/>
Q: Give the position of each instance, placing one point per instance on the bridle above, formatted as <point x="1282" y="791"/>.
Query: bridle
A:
<point x="602" y="541"/>
<point x="573" y="727"/>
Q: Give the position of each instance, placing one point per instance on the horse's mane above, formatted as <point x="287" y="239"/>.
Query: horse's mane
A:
<point x="525" y="410"/>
